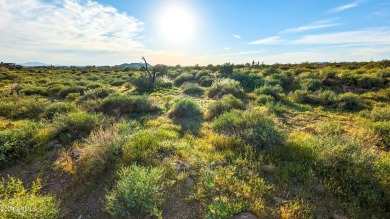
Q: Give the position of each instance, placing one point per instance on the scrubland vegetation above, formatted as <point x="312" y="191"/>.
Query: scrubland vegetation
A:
<point x="280" y="141"/>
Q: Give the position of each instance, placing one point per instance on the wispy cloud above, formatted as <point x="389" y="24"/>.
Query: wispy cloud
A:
<point x="66" y="27"/>
<point x="314" y="26"/>
<point x="364" y="37"/>
<point x="268" y="40"/>
<point x="237" y="36"/>
<point x="227" y="48"/>
<point x="344" y="7"/>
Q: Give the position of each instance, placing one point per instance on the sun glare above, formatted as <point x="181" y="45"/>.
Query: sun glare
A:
<point x="176" y="24"/>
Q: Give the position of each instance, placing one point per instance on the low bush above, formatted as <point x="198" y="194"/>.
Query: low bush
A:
<point x="138" y="191"/>
<point x="117" y="104"/>
<point x="206" y="81"/>
<point x="103" y="148"/>
<point x="350" y="102"/>
<point x="263" y="99"/>
<point x="59" y="108"/>
<point x="248" y="81"/>
<point x="225" y="86"/>
<point x="227" y="103"/>
<point x="254" y="126"/>
<point x="273" y="91"/>
<point x="77" y="125"/>
<point x="33" y="90"/>
<point x="185" y="108"/>
<point x="311" y="84"/>
<point x="117" y="83"/>
<point x="179" y="80"/>
<point x="99" y="93"/>
<point x="192" y="89"/>
<point x="67" y="90"/>
<point x="17" y="142"/>
<point x="19" y="107"/>
<point x="18" y="202"/>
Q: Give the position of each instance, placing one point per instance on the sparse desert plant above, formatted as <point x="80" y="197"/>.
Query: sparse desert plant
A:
<point x="255" y="126"/>
<point x="118" y="104"/>
<point x="18" y="202"/>
<point x="350" y="101"/>
<point x="270" y="90"/>
<point x="192" y="89"/>
<point x="59" y="108"/>
<point x="65" y="91"/>
<point x="33" y="90"/>
<point x="227" y="103"/>
<point x="225" y="86"/>
<point x="138" y="191"/>
<point x="179" y="80"/>
<point x="263" y="99"/>
<point x="185" y="108"/>
<point x="17" y="142"/>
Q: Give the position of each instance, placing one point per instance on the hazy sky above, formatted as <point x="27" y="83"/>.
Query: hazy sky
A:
<point x="188" y="32"/>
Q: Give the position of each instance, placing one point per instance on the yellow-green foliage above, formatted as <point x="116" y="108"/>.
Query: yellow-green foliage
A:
<point x="19" y="203"/>
<point x="138" y="191"/>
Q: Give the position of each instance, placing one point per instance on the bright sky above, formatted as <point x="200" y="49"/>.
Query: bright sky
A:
<point x="188" y="32"/>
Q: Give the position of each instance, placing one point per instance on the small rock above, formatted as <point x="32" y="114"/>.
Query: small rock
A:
<point x="278" y="200"/>
<point x="320" y="188"/>
<point x="177" y="166"/>
<point x="58" y="145"/>
<point x="187" y="166"/>
<point x="189" y="182"/>
<point x="77" y="153"/>
<point x="53" y="143"/>
<point x="268" y="168"/>
<point x="245" y="215"/>
<point x="338" y="214"/>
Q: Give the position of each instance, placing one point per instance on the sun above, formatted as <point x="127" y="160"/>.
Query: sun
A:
<point x="176" y="24"/>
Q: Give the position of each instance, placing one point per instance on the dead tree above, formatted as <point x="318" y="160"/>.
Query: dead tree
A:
<point x="151" y="75"/>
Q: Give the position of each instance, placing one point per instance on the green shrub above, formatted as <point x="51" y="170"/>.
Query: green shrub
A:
<point x="192" y="89"/>
<point x="201" y="74"/>
<point x="59" y="108"/>
<point x="141" y="81"/>
<point x="227" y="103"/>
<point x="17" y="142"/>
<point x="164" y="81"/>
<point x="77" y="124"/>
<point x="350" y="101"/>
<point x="117" y="83"/>
<point x="225" y="86"/>
<point x="248" y="81"/>
<point x="93" y="86"/>
<point x="254" y="126"/>
<point x="138" y="191"/>
<point x="72" y="96"/>
<point x="380" y="113"/>
<point x="268" y="90"/>
<point x="117" y="104"/>
<point x="32" y="90"/>
<point x="185" y="108"/>
<point x="67" y="90"/>
<point x="18" y="202"/>
<point x="311" y="84"/>
<point x="206" y="81"/>
<point x="263" y="99"/>
<point x="19" y="107"/>
<point x="299" y="96"/>
<point x="326" y="97"/>
<point x="103" y="148"/>
<point x="179" y="80"/>
<point x="99" y="93"/>
<point x="382" y="129"/>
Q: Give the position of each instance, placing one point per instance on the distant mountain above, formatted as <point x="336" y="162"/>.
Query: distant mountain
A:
<point x="132" y="65"/>
<point x="33" y="64"/>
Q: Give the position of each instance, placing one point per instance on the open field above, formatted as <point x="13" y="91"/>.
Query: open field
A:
<point x="280" y="141"/>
